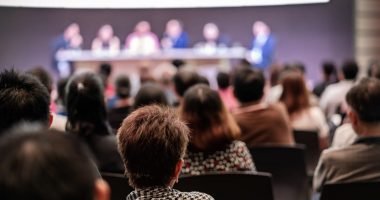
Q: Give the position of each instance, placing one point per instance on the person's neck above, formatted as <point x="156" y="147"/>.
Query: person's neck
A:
<point x="368" y="130"/>
<point x="123" y="102"/>
<point x="251" y="103"/>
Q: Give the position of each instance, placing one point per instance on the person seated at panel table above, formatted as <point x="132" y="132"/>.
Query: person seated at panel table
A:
<point x="174" y="35"/>
<point x="213" y="143"/>
<point x="106" y="40"/>
<point x="152" y="142"/>
<point x="263" y="45"/>
<point x="142" y="40"/>
<point x="212" y="39"/>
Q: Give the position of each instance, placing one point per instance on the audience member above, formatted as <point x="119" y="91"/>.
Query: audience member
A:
<point x="374" y="69"/>
<point x="106" y="40"/>
<point x="303" y="116"/>
<point x="329" y="77"/>
<point x="61" y="96"/>
<point x="150" y="94"/>
<point x="22" y="99"/>
<point x="333" y="96"/>
<point x="359" y="161"/>
<point x="152" y="142"/>
<point x="87" y="118"/>
<point x="260" y="123"/>
<point x="174" y="36"/>
<point x="105" y="71"/>
<point x="225" y="91"/>
<point x="122" y="102"/>
<point x="46" y="165"/>
<point x="183" y="80"/>
<point x="275" y="88"/>
<point x="142" y="40"/>
<point x="214" y="133"/>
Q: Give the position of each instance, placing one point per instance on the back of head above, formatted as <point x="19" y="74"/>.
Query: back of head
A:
<point x="364" y="99"/>
<point x="123" y="86"/>
<point x="22" y="98"/>
<point x="329" y="69"/>
<point x="45" y="165"/>
<point x="86" y="111"/>
<point x="223" y="80"/>
<point x="151" y="142"/>
<point x="43" y="76"/>
<point x="184" y="79"/>
<point x="150" y="94"/>
<point x="248" y="85"/>
<point x="295" y="95"/>
<point x="350" y="70"/>
<point x="212" y="126"/>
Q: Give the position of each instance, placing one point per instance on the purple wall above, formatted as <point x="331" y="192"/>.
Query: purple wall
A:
<point x="309" y="33"/>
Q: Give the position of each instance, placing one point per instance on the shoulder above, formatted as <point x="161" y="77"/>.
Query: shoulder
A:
<point x="195" y="196"/>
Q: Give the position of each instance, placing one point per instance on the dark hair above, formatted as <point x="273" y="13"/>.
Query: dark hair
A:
<point x="86" y="110"/>
<point x="248" y="85"/>
<point x="295" y="95"/>
<point x="184" y="79"/>
<point x="350" y="70"/>
<point x="123" y="86"/>
<point x="22" y="98"/>
<point x="151" y="141"/>
<point x="211" y="125"/>
<point x="61" y="89"/>
<point x="328" y="68"/>
<point x="364" y="99"/>
<point x="45" y="165"/>
<point x="150" y="94"/>
<point x="42" y="75"/>
<point x="223" y="80"/>
<point x="105" y="69"/>
<point x="275" y="73"/>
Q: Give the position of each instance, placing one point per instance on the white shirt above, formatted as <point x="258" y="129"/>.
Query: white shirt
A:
<point x="344" y="136"/>
<point x="311" y="119"/>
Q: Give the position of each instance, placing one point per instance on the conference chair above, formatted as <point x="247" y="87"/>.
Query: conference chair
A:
<point x="119" y="185"/>
<point x="288" y="168"/>
<point x="311" y="140"/>
<point x="351" y="191"/>
<point x="228" y="186"/>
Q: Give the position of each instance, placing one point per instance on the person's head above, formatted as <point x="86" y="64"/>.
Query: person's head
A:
<point x="22" y="98"/>
<point x="45" y="165"/>
<point x="173" y="28"/>
<point x="350" y="70"/>
<point x="223" y="79"/>
<point x="71" y="31"/>
<point x="142" y="27"/>
<point x="260" y="28"/>
<point x="61" y="89"/>
<point x="123" y="86"/>
<point x="211" y="125"/>
<point x="211" y="32"/>
<point x="329" y="71"/>
<point x="363" y="100"/>
<point x="184" y="79"/>
<point x="149" y="94"/>
<point x="374" y="69"/>
<point x="275" y="73"/>
<point x="105" y="32"/>
<point x="85" y="104"/>
<point x="105" y="71"/>
<point x="152" y="142"/>
<point x="43" y="76"/>
<point x="248" y="85"/>
<point x="295" y="95"/>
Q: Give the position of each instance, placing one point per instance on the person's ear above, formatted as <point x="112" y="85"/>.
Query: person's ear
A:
<point x="102" y="190"/>
<point x="51" y="118"/>
<point x="353" y="118"/>
<point x="178" y="168"/>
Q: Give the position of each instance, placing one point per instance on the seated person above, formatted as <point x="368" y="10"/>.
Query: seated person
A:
<point x="87" y="119"/>
<point x="303" y="116"/>
<point x="149" y="94"/>
<point x="22" y="99"/>
<point x="225" y="91"/>
<point x="213" y="138"/>
<point x="212" y="39"/>
<point x="106" y="40"/>
<point x="121" y="103"/>
<point x="152" y="142"/>
<point x="44" y="165"/>
<point x="260" y="123"/>
<point x="359" y="161"/>
<point x="329" y="77"/>
<point x="142" y="41"/>
<point x="183" y="80"/>
<point x="174" y="37"/>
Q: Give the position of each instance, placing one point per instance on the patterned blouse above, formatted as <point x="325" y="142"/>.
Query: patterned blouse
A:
<point x="161" y="193"/>
<point x="235" y="157"/>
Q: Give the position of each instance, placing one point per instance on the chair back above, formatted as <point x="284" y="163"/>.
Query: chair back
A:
<point x="119" y="185"/>
<point x="288" y="168"/>
<point x="227" y="186"/>
<point x="351" y="191"/>
<point x="311" y="140"/>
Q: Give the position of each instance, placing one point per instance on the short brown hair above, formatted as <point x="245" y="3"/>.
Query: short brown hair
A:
<point x="151" y="141"/>
<point x="211" y="125"/>
<point x="295" y="95"/>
